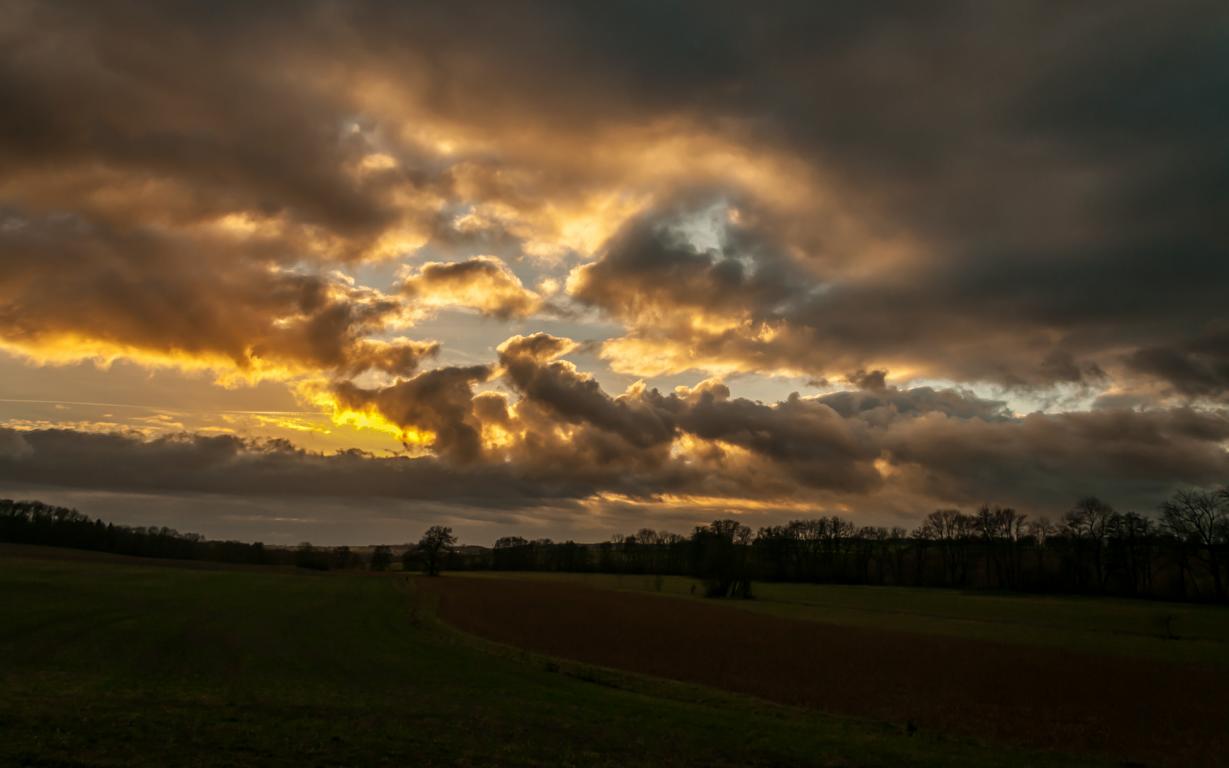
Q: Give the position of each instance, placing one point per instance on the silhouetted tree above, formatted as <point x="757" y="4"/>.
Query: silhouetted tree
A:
<point x="719" y="558"/>
<point x="513" y="553"/>
<point x="1041" y="532"/>
<point x="1184" y="557"/>
<point x="951" y="529"/>
<point x="1089" y="524"/>
<point x="1000" y="529"/>
<point x="410" y="559"/>
<point x="1201" y="519"/>
<point x="311" y="558"/>
<point x="381" y="558"/>
<point x="434" y="545"/>
<point x="343" y="558"/>
<point x="33" y="522"/>
<point x="1132" y="537"/>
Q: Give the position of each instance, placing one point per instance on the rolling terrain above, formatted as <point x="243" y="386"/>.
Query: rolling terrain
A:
<point x="1135" y="709"/>
<point x="110" y="661"/>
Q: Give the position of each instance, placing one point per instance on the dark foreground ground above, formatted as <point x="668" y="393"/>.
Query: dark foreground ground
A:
<point x="107" y="662"/>
<point x="1133" y="709"/>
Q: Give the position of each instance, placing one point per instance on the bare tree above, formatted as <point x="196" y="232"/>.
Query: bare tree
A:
<point x="1000" y="529"/>
<point x="1041" y="530"/>
<point x="950" y="528"/>
<point x="1202" y="519"/>
<point x="1132" y="533"/>
<point x="1089" y="524"/>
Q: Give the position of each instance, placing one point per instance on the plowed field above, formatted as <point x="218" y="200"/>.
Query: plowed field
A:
<point x="1130" y="709"/>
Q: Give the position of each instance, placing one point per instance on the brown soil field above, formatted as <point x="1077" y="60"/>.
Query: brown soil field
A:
<point x="1137" y="710"/>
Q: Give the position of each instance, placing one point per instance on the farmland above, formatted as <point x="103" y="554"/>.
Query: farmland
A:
<point x="1136" y="709"/>
<point x="112" y="661"/>
<point x="1174" y="632"/>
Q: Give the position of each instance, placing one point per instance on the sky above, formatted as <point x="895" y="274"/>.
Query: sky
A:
<point x="338" y="271"/>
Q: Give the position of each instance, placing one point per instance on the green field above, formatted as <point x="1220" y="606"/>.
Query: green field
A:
<point x="106" y="663"/>
<point x="1172" y="632"/>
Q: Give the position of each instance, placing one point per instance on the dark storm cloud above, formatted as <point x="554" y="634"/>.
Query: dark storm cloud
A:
<point x="882" y="403"/>
<point x="1048" y="459"/>
<point x="650" y="270"/>
<point x="235" y="466"/>
<point x="165" y="93"/>
<point x="440" y="401"/>
<point x="1025" y="194"/>
<point x="806" y="438"/>
<point x="1059" y="172"/>
<point x="1053" y="318"/>
<point x="861" y="379"/>
<point x="531" y="370"/>
<point x="1198" y="367"/>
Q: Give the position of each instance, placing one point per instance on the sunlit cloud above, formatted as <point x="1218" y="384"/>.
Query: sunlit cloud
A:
<point x="350" y="199"/>
<point x="483" y="283"/>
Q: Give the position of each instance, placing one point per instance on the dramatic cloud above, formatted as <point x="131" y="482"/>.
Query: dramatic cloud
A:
<point x="483" y="283"/>
<point x="433" y="408"/>
<point x="745" y="304"/>
<point x="74" y="288"/>
<point x="1197" y="367"/>
<point x="531" y="369"/>
<point x="892" y="453"/>
<point x="943" y="219"/>
<point x="229" y="465"/>
<point x="560" y="430"/>
<point x="1044" y="459"/>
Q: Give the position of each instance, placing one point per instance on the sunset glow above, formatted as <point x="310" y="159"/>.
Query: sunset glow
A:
<point x="513" y="271"/>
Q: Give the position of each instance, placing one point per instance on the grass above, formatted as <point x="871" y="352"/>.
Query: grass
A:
<point x="1173" y="632"/>
<point x="103" y="663"/>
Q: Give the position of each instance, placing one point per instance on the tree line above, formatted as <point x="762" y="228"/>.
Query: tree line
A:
<point x="33" y="522"/>
<point x="1181" y="553"/>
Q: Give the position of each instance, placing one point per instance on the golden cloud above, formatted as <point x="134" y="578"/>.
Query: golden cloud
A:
<point x="483" y="283"/>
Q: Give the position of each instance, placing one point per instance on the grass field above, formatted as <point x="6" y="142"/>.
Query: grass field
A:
<point x="107" y="663"/>
<point x="1174" y="632"/>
